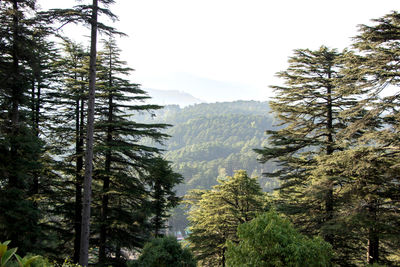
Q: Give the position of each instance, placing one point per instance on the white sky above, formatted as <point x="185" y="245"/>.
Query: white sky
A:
<point x="224" y="50"/>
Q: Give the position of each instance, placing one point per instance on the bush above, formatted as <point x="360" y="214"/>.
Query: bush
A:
<point x="163" y="252"/>
<point x="9" y="258"/>
<point x="271" y="240"/>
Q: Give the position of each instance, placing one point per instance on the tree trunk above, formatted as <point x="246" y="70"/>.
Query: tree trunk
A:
<point x="35" y="125"/>
<point x="13" y="178"/>
<point x="223" y="257"/>
<point x="15" y="99"/>
<point x="329" y="150"/>
<point x="84" y="249"/>
<point x="107" y="168"/>
<point x="78" y="175"/>
<point x="36" y="115"/>
<point x="373" y="238"/>
<point x="158" y="208"/>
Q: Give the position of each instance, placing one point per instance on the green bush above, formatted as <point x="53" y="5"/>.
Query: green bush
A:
<point x="164" y="252"/>
<point x="9" y="258"/>
<point x="271" y="240"/>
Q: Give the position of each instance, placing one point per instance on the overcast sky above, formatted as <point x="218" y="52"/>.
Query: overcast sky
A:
<point x="224" y="50"/>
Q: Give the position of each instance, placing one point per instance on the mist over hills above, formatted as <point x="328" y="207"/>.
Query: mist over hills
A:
<point x="172" y="97"/>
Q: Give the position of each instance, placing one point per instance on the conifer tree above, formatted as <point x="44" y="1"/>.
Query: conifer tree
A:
<point x="162" y="180"/>
<point x="121" y="162"/>
<point x="367" y="217"/>
<point x="215" y="215"/>
<point x="308" y="107"/>
<point x="19" y="144"/>
<point x="87" y="182"/>
<point x="88" y="15"/>
<point x="68" y="101"/>
<point x="376" y="70"/>
<point x="373" y="67"/>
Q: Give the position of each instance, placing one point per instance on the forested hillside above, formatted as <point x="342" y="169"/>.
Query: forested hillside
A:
<point x="90" y="172"/>
<point x="211" y="140"/>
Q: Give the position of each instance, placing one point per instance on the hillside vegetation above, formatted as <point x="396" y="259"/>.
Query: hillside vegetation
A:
<point x="211" y="140"/>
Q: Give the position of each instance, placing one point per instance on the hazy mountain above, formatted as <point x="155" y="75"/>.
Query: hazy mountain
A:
<point x="172" y="97"/>
<point x="211" y="140"/>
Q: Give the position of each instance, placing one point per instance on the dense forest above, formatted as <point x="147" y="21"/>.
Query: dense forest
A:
<point x="211" y="140"/>
<point x="90" y="172"/>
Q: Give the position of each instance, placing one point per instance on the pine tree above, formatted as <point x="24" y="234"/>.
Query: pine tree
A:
<point x="373" y="160"/>
<point x="19" y="143"/>
<point x="162" y="180"/>
<point x="67" y="131"/>
<point x="121" y="162"/>
<point x="88" y="15"/>
<point x="308" y="107"/>
<point x="215" y="215"/>
<point x="367" y="217"/>
<point x="87" y="182"/>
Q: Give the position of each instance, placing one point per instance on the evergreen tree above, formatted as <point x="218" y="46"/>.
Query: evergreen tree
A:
<point x="20" y="147"/>
<point x="87" y="182"/>
<point x="68" y="101"/>
<point x="215" y="215"/>
<point x="88" y="15"/>
<point x="372" y="67"/>
<point x="308" y="108"/>
<point x="367" y="217"/>
<point x="122" y="163"/>
<point x="162" y="180"/>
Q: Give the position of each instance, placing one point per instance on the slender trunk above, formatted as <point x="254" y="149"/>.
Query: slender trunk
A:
<point x="373" y="238"/>
<point x="373" y="247"/>
<point x="14" y="179"/>
<point x="37" y="111"/>
<point x="329" y="151"/>
<point x="35" y="125"/>
<point x="33" y="106"/>
<point x="107" y="168"/>
<point x="223" y="256"/>
<point x="157" y="219"/>
<point x="84" y="249"/>
<point x="36" y="117"/>
<point x="118" y="252"/>
<point x="15" y="99"/>
<point x="78" y="175"/>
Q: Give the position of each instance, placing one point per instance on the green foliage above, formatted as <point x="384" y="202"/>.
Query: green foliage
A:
<point x="271" y="240"/>
<point x="310" y="108"/>
<point x="164" y="252"/>
<point x="162" y="180"/>
<point x="215" y="214"/>
<point x="210" y="139"/>
<point x="125" y="169"/>
<point x="367" y="213"/>
<point x="7" y="255"/>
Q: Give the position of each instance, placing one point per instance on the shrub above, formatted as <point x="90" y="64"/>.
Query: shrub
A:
<point x="271" y="240"/>
<point x="163" y="252"/>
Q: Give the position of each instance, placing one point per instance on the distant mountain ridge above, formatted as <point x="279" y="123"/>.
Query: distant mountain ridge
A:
<point x="172" y="97"/>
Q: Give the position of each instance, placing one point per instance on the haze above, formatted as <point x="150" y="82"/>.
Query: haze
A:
<point x="224" y="50"/>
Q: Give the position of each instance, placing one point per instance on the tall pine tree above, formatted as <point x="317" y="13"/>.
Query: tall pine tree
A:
<point x="308" y="108"/>
<point x="121" y="162"/>
<point x="19" y="143"/>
